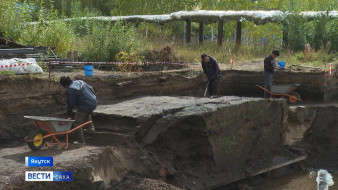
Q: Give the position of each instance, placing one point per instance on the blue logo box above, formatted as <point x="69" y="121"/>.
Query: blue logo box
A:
<point x="39" y="161"/>
<point x="62" y="176"/>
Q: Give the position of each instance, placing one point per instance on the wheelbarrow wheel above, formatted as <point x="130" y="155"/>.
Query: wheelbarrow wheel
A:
<point x="34" y="135"/>
<point x="293" y="98"/>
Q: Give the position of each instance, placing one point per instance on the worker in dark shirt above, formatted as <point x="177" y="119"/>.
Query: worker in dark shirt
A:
<point x="269" y="68"/>
<point x="80" y="96"/>
<point x="211" y="69"/>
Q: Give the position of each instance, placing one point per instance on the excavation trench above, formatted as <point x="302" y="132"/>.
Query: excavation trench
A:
<point x="177" y="139"/>
<point x="39" y="95"/>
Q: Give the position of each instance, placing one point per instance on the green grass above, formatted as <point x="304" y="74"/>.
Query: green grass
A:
<point x="314" y="58"/>
<point x="190" y="53"/>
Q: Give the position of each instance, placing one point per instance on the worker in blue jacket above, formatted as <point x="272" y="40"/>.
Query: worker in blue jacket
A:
<point x="211" y="69"/>
<point x="80" y="96"/>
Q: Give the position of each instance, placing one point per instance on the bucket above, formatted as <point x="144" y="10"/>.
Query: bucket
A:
<point x="281" y="64"/>
<point x="88" y="70"/>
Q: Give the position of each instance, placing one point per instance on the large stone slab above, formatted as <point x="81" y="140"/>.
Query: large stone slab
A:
<point x="212" y="140"/>
<point x="147" y="110"/>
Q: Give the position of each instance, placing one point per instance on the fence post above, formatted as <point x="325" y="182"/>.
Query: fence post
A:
<point x="220" y="33"/>
<point x="188" y="31"/>
<point x="201" y="36"/>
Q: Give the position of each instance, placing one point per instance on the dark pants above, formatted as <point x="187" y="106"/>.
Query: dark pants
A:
<point x="81" y="118"/>
<point x="213" y="86"/>
<point x="268" y="79"/>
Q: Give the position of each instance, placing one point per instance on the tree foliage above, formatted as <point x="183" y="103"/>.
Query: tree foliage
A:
<point x="98" y="41"/>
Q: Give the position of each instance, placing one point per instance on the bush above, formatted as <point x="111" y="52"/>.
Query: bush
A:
<point x="57" y="35"/>
<point x="105" y="40"/>
<point x="11" y="18"/>
<point x="296" y="32"/>
<point x="14" y="25"/>
<point x="318" y="33"/>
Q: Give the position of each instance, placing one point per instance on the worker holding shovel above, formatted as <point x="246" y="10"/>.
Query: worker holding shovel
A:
<point x="269" y="68"/>
<point x="211" y="69"/>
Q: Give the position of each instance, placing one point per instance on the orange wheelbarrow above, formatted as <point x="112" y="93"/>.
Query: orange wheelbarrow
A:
<point x="49" y="127"/>
<point x="284" y="91"/>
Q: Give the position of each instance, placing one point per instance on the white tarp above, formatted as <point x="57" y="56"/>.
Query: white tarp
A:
<point x="20" y="66"/>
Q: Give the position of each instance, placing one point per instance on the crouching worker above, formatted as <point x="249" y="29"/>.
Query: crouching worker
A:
<point x="211" y="69"/>
<point x="80" y="96"/>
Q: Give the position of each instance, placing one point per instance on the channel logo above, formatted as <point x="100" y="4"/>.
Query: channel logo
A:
<point x="39" y="161"/>
<point x="48" y="176"/>
<point x="39" y="176"/>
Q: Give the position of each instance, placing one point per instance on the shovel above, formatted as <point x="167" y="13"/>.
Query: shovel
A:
<point x="206" y="89"/>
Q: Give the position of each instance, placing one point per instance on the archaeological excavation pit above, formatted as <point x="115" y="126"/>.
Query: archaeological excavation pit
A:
<point x="159" y="132"/>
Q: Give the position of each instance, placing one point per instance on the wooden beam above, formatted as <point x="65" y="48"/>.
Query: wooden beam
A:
<point x="201" y="35"/>
<point x="188" y="32"/>
<point x="239" y="33"/>
<point x="240" y="176"/>
<point x="21" y="51"/>
<point x="220" y="33"/>
<point x="276" y="166"/>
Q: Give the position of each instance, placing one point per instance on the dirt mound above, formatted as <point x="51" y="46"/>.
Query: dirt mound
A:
<point x="166" y="54"/>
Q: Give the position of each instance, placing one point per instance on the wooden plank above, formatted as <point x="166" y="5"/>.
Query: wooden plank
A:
<point x="268" y="168"/>
<point x="21" y="51"/>
<point x="279" y="165"/>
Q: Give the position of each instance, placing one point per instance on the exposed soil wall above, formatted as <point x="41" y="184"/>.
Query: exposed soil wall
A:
<point x="25" y="96"/>
<point x="321" y="141"/>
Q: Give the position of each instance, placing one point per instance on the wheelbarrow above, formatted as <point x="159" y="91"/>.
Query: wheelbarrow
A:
<point x="50" y="127"/>
<point x="284" y="91"/>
